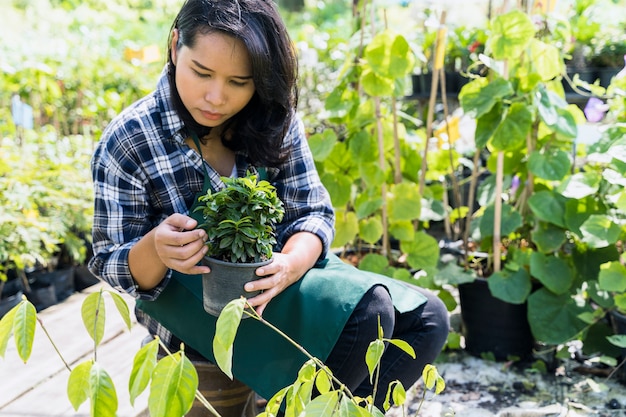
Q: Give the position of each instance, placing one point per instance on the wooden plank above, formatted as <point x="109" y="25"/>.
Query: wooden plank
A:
<point x="38" y="388"/>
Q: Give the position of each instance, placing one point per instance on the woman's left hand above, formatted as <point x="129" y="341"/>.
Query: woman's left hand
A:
<point x="299" y="255"/>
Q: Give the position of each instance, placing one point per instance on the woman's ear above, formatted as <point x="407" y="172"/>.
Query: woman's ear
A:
<point x="173" y="50"/>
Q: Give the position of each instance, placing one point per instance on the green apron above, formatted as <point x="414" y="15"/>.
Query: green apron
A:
<point x="312" y="311"/>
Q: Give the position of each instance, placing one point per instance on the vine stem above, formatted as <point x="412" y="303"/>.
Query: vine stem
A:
<point x="54" y="345"/>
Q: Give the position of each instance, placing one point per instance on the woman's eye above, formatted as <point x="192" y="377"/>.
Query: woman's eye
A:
<point x="201" y="75"/>
<point x="238" y="83"/>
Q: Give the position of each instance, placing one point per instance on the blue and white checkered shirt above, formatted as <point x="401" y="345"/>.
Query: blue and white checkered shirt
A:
<point x="143" y="172"/>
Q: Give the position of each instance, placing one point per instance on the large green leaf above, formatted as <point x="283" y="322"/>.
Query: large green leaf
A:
<point x="102" y="392"/>
<point x="225" y="332"/>
<point x="548" y="206"/>
<point x="375" y="85"/>
<point x="549" y="164"/>
<point x="612" y="277"/>
<point x="143" y="364"/>
<point x="78" y="389"/>
<point x="479" y="96"/>
<point x="173" y="387"/>
<point x="600" y="231"/>
<point x="511" y="33"/>
<point x="553" y="111"/>
<point x="339" y="188"/>
<point x="404" y="202"/>
<point x="511" y="134"/>
<point x="548" y="238"/>
<point x="121" y="306"/>
<point x="24" y="323"/>
<point x="346" y="228"/>
<point x="93" y="314"/>
<point x="511" y="220"/>
<point x="545" y="59"/>
<point x="322" y="144"/>
<point x="363" y="147"/>
<point x="371" y="229"/>
<point x="373" y="355"/>
<point x="422" y="251"/>
<point x="510" y="286"/>
<point x="580" y="185"/>
<point x="322" y="405"/>
<point x="555" y="273"/>
<point x="554" y="318"/>
<point x="487" y="124"/>
<point x="389" y="55"/>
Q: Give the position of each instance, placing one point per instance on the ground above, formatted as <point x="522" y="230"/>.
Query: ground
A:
<point x="477" y="387"/>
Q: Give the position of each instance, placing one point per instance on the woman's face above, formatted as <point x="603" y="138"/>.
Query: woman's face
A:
<point x="214" y="78"/>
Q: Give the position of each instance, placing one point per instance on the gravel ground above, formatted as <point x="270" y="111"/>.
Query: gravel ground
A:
<point x="482" y="388"/>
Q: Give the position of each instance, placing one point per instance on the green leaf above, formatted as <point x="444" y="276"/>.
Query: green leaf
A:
<point x="373" y="355"/>
<point x="389" y="55"/>
<point x="371" y="229"/>
<point x="510" y="286"/>
<point x="422" y="251"/>
<point x="24" y="323"/>
<point x="404" y="346"/>
<point x="481" y="95"/>
<point x="323" y="382"/>
<point x="102" y="392"/>
<point x="6" y="328"/>
<point x="173" y="387"/>
<point x="374" y="85"/>
<point x="548" y="238"/>
<point x="600" y="231"/>
<point x="339" y="188"/>
<point x="93" y="314"/>
<point x="612" y="277"/>
<point x="363" y="147"/>
<point x="555" y="273"/>
<point x="548" y="206"/>
<point x="432" y="379"/>
<point x="546" y="59"/>
<point x="510" y="221"/>
<point x="511" y="33"/>
<point x="618" y="340"/>
<point x="322" y="144"/>
<point x="487" y="124"/>
<point x="549" y="164"/>
<point x="122" y="307"/>
<point x="346" y="228"/>
<point x="225" y="332"/>
<point x="580" y="185"/>
<point x="512" y="132"/>
<point x="143" y="364"/>
<point x="554" y="319"/>
<point x="404" y="202"/>
<point x="78" y="389"/>
<point x="323" y="405"/>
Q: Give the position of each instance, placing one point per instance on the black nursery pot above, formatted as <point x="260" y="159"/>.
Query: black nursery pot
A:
<point x="225" y="283"/>
<point x="491" y="325"/>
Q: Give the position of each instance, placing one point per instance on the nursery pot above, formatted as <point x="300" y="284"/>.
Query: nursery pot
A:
<point x="492" y="325"/>
<point x="225" y="283"/>
<point x="618" y="322"/>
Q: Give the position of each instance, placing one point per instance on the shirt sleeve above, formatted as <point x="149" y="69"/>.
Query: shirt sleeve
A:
<point x="122" y="213"/>
<point x="307" y="203"/>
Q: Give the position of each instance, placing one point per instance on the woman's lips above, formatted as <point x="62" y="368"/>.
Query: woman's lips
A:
<point x="211" y="116"/>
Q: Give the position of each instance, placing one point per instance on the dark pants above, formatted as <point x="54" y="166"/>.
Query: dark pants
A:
<point x="425" y="329"/>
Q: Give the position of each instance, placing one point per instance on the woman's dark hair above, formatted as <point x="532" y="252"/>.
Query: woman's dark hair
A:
<point x="259" y="128"/>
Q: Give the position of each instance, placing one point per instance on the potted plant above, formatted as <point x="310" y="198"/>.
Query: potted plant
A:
<point x="240" y="221"/>
<point x="534" y="205"/>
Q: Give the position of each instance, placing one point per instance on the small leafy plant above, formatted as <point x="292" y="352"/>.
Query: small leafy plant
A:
<point x="240" y="219"/>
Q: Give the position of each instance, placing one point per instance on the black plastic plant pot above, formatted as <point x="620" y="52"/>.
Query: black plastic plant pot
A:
<point x="225" y="283"/>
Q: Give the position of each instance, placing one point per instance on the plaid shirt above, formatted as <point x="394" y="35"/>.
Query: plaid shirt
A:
<point x="143" y="172"/>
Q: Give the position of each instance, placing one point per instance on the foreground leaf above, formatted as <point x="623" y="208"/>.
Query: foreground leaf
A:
<point x="24" y="322"/>
<point x="93" y="313"/>
<point x="225" y="332"/>
<point x="143" y="365"/>
<point x="78" y="384"/>
<point x="102" y="392"/>
<point x="173" y="387"/>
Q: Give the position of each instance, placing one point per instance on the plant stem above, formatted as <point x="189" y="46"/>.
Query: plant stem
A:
<point x="54" y="345"/>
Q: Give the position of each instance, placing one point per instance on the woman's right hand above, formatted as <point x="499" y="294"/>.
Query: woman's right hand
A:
<point x="180" y="246"/>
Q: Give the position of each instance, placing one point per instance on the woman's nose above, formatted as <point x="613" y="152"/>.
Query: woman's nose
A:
<point x="215" y="93"/>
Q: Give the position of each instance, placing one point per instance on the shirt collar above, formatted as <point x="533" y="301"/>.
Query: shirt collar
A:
<point x="171" y="122"/>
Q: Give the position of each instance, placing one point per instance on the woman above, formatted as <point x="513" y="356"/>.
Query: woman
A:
<point x="230" y="81"/>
